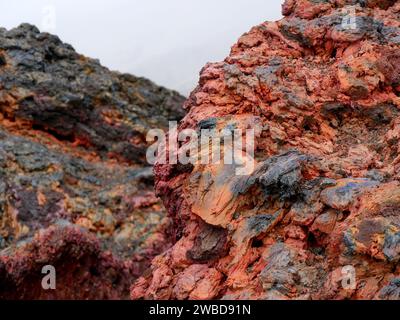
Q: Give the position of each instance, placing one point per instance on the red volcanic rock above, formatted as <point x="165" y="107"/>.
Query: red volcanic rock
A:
<point x="323" y="198"/>
<point x="83" y="270"/>
<point x="76" y="191"/>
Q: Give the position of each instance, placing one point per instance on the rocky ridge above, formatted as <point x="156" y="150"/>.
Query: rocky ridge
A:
<point x="324" y="197"/>
<point x="75" y="189"/>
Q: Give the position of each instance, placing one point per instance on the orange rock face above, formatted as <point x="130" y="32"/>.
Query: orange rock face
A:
<point x="319" y="216"/>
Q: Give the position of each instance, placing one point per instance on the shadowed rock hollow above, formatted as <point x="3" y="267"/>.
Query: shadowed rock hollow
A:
<point x="75" y="189"/>
<point x="324" y="83"/>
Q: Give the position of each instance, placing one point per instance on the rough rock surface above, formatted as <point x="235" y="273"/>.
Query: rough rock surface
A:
<point x="325" y="193"/>
<point x="75" y="189"/>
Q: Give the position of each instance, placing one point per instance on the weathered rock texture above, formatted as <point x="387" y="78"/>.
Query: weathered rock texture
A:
<point x="75" y="189"/>
<point x="325" y="193"/>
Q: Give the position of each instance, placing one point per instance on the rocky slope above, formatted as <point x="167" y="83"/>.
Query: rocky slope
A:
<point x="324" y="86"/>
<point x="75" y="189"/>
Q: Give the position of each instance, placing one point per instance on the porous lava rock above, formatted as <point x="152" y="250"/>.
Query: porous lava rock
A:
<point x="76" y="191"/>
<point x="324" y="197"/>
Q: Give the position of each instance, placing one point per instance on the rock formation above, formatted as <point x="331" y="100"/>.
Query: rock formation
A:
<point x="323" y="201"/>
<point x="75" y="189"/>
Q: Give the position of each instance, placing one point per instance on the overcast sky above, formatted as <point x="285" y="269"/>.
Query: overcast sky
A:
<point x="167" y="41"/>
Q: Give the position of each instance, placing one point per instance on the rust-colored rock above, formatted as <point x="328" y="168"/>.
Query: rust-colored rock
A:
<point x="324" y="196"/>
<point x="76" y="192"/>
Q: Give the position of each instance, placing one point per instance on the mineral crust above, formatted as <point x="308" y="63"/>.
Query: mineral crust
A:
<point x="319" y="216"/>
<point x="76" y="191"/>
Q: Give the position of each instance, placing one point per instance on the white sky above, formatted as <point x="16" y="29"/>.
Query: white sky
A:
<point x="167" y="41"/>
